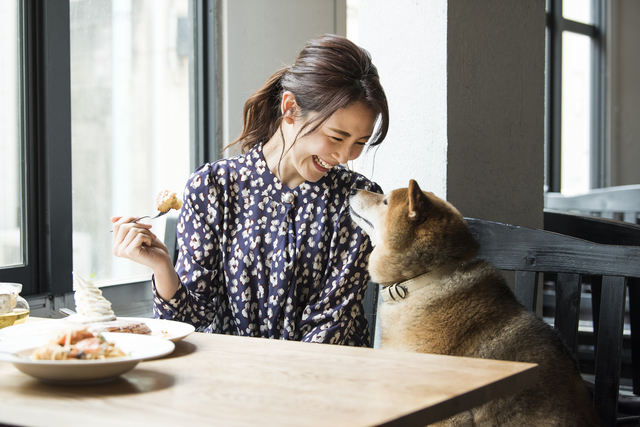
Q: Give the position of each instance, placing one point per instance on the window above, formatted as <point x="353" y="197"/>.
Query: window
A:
<point x="130" y="121"/>
<point x="12" y="189"/>
<point x="104" y="104"/>
<point x="575" y="154"/>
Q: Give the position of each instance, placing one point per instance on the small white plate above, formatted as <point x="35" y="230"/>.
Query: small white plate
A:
<point x="168" y="329"/>
<point x="73" y="372"/>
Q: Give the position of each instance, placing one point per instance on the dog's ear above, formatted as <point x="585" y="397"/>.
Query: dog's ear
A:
<point x="418" y="202"/>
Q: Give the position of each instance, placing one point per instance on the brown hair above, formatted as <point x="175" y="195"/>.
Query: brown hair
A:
<point x="330" y="73"/>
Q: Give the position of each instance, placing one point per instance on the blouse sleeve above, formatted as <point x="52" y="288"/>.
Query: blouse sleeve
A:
<point x="337" y="316"/>
<point x="198" y="257"/>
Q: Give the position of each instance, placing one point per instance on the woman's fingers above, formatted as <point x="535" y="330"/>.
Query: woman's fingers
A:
<point x="127" y="234"/>
<point x="136" y="242"/>
<point x="135" y="235"/>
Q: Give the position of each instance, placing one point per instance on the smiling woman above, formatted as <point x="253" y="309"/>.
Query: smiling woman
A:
<point x="267" y="248"/>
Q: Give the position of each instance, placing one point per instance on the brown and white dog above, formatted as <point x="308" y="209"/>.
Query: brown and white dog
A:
<point x="449" y="303"/>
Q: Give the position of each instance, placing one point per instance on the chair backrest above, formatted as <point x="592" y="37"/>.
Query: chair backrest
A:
<point x="591" y="228"/>
<point x="170" y="235"/>
<point x="620" y="202"/>
<point x="529" y="252"/>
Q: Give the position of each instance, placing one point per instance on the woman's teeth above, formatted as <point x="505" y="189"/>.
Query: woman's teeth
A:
<point x="322" y="163"/>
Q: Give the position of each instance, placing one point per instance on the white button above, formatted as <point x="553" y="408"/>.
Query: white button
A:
<point x="287" y="198"/>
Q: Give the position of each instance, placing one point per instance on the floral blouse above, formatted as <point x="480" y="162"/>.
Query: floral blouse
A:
<point x="259" y="259"/>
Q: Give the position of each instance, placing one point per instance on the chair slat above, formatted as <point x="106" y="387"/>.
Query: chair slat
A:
<point x="526" y="289"/>
<point x="609" y="349"/>
<point x="568" y="288"/>
<point x="633" y="287"/>
<point x="370" y="305"/>
<point x="596" y="293"/>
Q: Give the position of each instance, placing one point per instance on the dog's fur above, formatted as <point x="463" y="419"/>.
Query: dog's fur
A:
<point x="469" y="311"/>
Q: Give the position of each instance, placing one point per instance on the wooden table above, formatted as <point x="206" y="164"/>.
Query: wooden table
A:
<point x="235" y="381"/>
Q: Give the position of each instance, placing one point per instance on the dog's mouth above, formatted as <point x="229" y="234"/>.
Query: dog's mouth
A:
<point x="355" y="215"/>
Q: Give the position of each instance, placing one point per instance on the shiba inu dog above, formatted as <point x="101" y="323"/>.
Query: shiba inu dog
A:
<point x="439" y="299"/>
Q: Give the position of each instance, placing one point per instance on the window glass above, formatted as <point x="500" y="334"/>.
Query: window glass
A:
<point x="130" y="121"/>
<point x="576" y="110"/>
<point x="11" y="182"/>
<point x="577" y="10"/>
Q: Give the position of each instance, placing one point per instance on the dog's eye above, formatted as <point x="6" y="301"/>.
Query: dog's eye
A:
<point x="385" y="202"/>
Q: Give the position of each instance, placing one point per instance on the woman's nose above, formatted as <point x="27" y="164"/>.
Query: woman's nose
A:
<point x="343" y="152"/>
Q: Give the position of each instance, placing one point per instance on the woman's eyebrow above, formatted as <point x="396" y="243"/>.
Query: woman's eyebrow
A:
<point x="347" y="134"/>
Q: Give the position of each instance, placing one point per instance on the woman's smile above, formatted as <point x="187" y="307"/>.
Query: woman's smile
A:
<point x="321" y="164"/>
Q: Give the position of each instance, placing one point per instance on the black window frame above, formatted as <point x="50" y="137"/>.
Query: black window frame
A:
<point x="44" y="32"/>
<point x="556" y="25"/>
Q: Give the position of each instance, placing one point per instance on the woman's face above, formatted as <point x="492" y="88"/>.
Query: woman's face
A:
<point x="339" y="139"/>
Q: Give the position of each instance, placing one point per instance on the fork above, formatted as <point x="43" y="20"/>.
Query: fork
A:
<point x="143" y="217"/>
<point x="150" y="217"/>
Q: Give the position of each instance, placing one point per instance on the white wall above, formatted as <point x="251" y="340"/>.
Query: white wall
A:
<point x="264" y="37"/>
<point x="408" y="43"/>
<point x="465" y="82"/>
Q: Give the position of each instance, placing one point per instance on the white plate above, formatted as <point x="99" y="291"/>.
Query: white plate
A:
<point x="168" y="329"/>
<point x="138" y="348"/>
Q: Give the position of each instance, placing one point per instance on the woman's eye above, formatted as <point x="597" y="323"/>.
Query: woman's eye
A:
<point x="335" y="138"/>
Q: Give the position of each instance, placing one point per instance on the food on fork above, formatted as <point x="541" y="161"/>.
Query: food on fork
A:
<point x="77" y="344"/>
<point x="91" y="306"/>
<point x="168" y="200"/>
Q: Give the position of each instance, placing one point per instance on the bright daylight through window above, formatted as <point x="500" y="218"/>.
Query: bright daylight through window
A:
<point x="576" y="101"/>
<point x="11" y="143"/>
<point x="130" y="121"/>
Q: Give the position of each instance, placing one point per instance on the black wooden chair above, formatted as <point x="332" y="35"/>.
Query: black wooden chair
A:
<point x="531" y="252"/>
<point x="610" y="232"/>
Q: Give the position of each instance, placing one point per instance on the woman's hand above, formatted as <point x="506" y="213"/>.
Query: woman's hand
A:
<point x="136" y="242"/>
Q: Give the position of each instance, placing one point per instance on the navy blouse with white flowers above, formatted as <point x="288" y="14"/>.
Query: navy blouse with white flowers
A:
<point x="259" y="259"/>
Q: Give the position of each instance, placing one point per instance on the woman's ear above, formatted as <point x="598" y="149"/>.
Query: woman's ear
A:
<point x="288" y="107"/>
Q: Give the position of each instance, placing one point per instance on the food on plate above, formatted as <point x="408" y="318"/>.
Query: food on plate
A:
<point x="168" y="200"/>
<point x="122" y="326"/>
<point x="94" y="310"/>
<point x="91" y="306"/>
<point x="77" y="343"/>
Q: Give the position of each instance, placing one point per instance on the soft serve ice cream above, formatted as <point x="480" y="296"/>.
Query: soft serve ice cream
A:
<point x="91" y="306"/>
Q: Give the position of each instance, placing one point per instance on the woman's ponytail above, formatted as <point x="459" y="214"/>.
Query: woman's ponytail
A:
<point x="261" y="115"/>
